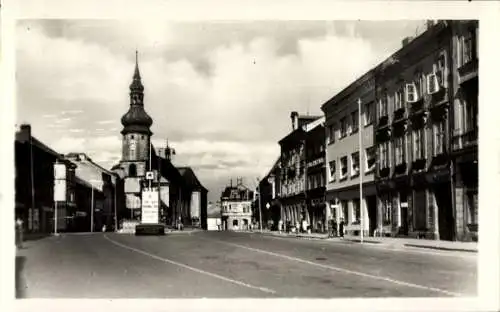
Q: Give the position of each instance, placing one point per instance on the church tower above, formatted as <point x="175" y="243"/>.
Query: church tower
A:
<point x="136" y="133"/>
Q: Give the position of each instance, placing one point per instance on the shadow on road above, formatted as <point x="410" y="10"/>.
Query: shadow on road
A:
<point x="20" y="281"/>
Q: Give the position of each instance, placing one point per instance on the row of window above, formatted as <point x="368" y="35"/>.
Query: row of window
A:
<point x="369" y="165"/>
<point x="315" y="181"/>
<point x="292" y="188"/>
<point x="349" y="124"/>
<point x="231" y="208"/>
<point x="418" y="145"/>
<point x="419" y="215"/>
<point x="414" y="90"/>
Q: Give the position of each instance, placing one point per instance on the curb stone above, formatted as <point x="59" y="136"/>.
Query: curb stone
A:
<point x="442" y="248"/>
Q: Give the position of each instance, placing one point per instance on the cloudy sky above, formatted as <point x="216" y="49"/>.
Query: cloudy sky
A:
<point x="220" y="92"/>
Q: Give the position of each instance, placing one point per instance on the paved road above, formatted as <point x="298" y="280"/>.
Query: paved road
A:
<point x="226" y="264"/>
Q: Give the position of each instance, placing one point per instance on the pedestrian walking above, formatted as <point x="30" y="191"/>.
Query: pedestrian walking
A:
<point x="19" y="232"/>
<point x="280" y="226"/>
<point x="341" y="228"/>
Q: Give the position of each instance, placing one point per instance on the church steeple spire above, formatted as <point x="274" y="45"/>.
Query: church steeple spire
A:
<point x="136" y="86"/>
<point x="136" y="119"/>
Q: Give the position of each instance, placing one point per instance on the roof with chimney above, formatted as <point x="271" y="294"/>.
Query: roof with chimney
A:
<point x="24" y="136"/>
<point x="237" y="192"/>
<point x="88" y="172"/>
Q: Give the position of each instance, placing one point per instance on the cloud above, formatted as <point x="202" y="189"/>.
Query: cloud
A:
<point x="220" y="92"/>
<point x="105" y="122"/>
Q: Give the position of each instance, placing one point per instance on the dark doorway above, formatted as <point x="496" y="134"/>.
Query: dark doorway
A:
<point x="403" y="200"/>
<point x="371" y="204"/>
<point x="442" y="193"/>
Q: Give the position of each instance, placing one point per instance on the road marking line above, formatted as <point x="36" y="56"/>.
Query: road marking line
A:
<point x="263" y="289"/>
<point x="342" y="270"/>
<point x="444" y="253"/>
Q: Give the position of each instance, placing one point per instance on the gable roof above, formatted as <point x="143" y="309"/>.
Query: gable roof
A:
<point x="188" y="174"/>
<point x="167" y="169"/>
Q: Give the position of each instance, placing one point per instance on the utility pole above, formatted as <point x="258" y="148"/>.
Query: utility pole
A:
<point x="361" y="161"/>
<point x="260" y="206"/>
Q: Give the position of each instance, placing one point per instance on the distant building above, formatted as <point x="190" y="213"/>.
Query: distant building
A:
<point x="97" y="184"/>
<point x="214" y="217"/>
<point x="198" y="201"/>
<point x="269" y="188"/>
<point x="236" y="207"/>
<point x="182" y="196"/>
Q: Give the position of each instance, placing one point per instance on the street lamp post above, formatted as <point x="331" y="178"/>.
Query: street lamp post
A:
<point x="361" y="161"/>
<point x="260" y="209"/>
<point x="92" y="206"/>
<point x="92" y="210"/>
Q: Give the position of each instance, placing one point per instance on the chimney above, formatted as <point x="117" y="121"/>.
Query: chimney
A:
<point x="294" y="116"/>
<point x="24" y="133"/>
<point x="406" y="41"/>
<point x="429" y="24"/>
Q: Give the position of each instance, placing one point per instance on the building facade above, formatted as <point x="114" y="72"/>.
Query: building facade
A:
<point x="34" y="185"/>
<point x="97" y="195"/>
<point x="343" y="164"/>
<point x="293" y="175"/>
<point x="426" y="134"/>
<point x="464" y="129"/>
<point x="269" y="189"/>
<point x="236" y="207"/>
<point x="316" y="175"/>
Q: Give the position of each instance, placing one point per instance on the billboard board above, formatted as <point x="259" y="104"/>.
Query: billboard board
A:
<point x="60" y="171"/>
<point x="132" y="201"/>
<point x="195" y="204"/>
<point x="149" y="207"/>
<point x="132" y="185"/>
<point x="59" y="190"/>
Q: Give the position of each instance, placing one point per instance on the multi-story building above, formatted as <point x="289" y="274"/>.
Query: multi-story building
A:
<point x="293" y="177"/>
<point x="419" y="98"/>
<point x="34" y="185"/>
<point x="236" y="207"/>
<point x="464" y="148"/>
<point x="316" y="174"/>
<point x="344" y="166"/>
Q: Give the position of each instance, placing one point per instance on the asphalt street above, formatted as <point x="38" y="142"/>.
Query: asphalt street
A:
<point x="234" y="265"/>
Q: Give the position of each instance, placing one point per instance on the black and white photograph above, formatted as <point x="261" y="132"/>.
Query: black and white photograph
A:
<point x="247" y="159"/>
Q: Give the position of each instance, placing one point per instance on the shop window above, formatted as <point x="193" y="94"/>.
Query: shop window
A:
<point x="387" y="210"/>
<point x="357" y="211"/>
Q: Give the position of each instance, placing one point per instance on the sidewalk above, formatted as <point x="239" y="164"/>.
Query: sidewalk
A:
<point x="395" y="242"/>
